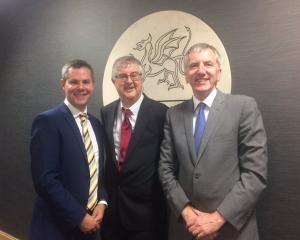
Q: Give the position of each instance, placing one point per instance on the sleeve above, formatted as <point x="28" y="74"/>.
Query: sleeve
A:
<point x="168" y="166"/>
<point x="103" y="143"/>
<point x="239" y="203"/>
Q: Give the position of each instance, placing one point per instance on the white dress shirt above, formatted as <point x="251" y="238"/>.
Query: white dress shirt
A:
<point x="118" y="122"/>
<point x="208" y="103"/>
<point x="75" y="112"/>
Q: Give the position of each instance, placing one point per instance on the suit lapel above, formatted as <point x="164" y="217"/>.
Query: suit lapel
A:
<point x="97" y="134"/>
<point x="188" y="114"/>
<point x="213" y="121"/>
<point x="72" y="123"/>
<point x="111" y="117"/>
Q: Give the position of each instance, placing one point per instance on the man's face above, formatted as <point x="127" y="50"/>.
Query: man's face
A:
<point x="78" y="87"/>
<point x="202" y="72"/>
<point x="128" y="88"/>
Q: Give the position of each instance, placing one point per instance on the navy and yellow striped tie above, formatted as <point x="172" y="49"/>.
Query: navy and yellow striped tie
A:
<point x="92" y="200"/>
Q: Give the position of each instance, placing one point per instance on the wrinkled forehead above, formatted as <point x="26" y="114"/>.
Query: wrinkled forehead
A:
<point x="206" y="54"/>
<point x="202" y="51"/>
<point x="125" y="67"/>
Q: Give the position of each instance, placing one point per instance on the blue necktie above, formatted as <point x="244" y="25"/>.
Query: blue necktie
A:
<point x="200" y="126"/>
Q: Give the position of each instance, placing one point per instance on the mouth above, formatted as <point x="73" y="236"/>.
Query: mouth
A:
<point x="80" y="95"/>
<point x="201" y="80"/>
<point x="129" y="88"/>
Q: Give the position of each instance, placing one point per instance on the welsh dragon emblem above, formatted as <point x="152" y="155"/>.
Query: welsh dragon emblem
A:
<point x="163" y="58"/>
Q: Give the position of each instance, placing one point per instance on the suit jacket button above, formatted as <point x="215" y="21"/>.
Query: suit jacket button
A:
<point x="197" y="175"/>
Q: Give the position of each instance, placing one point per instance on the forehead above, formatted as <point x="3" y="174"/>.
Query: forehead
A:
<point x="128" y="68"/>
<point x="79" y="71"/>
<point x="202" y="55"/>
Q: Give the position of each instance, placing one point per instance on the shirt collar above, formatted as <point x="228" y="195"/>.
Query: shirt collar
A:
<point x="75" y="112"/>
<point x="208" y="100"/>
<point x="136" y="106"/>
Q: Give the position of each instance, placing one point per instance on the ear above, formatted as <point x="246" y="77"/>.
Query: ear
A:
<point x="220" y="73"/>
<point x="62" y="83"/>
<point x="186" y="79"/>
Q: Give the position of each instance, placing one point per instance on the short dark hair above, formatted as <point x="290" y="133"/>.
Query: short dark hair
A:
<point x="76" y="63"/>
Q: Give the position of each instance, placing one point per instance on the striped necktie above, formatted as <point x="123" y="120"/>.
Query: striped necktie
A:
<point x="93" y="190"/>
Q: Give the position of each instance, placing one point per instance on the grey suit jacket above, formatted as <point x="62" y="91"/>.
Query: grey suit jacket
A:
<point x="229" y="172"/>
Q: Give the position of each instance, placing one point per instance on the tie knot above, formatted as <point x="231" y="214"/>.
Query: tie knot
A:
<point x="83" y="117"/>
<point x="201" y="106"/>
<point x="127" y="112"/>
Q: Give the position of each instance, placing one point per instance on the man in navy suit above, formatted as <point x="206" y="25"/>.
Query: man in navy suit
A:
<point x="59" y="164"/>
<point x="136" y="203"/>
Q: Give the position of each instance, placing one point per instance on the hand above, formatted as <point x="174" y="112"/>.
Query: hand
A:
<point x="89" y="224"/>
<point x="207" y="225"/>
<point x="189" y="215"/>
<point x="208" y="237"/>
<point x="99" y="212"/>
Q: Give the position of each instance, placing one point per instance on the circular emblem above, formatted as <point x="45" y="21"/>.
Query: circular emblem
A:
<point x="160" y="41"/>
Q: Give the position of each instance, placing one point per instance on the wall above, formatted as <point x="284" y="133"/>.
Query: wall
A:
<point x="262" y="40"/>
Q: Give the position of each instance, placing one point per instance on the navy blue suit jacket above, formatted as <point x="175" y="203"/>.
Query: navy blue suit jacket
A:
<point x="60" y="173"/>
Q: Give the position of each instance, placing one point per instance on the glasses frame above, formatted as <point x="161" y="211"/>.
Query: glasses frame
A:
<point x="134" y="76"/>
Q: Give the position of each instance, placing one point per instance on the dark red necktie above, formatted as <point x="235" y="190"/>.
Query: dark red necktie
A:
<point x="126" y="131"/>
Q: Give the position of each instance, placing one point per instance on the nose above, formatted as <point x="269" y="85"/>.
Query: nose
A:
<point x="201" y="69"/>
<point x="80" y="85"/>
<point x="128" y="79"/>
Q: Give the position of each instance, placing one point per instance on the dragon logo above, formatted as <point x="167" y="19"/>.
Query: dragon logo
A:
<point x="163" y="58"/>
<point x="161" y="46"/>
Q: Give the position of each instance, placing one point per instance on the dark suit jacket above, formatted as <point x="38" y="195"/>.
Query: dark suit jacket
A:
<point x="60" y="173"/>
<point x="229" y="172"/>
<point x="135" y="196"/>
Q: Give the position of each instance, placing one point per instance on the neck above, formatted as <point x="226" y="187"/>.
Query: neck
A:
<point x="201" y="96"/>
<point x="127" y="103"/>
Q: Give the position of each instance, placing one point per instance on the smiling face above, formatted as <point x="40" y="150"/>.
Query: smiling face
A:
<point x="78" y="86"/>
<point x="129" y="83"/>
<point x="202" y="72"/>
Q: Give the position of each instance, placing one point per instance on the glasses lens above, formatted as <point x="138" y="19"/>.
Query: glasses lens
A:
<point x="133" y="76"/>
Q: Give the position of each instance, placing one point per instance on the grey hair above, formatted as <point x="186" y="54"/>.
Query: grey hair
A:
<point x="198" y="47"/>
<point x="125" y="61"/>
<point x="76" y="63"/>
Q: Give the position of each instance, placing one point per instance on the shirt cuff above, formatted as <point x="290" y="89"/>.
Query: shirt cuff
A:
<point x="103" y="202"/>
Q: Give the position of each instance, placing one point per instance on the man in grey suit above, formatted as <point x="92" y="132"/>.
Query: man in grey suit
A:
<point x="213" y="191"/>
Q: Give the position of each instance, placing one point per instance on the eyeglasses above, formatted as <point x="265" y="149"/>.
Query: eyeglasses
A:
<point x="134" y="76"/>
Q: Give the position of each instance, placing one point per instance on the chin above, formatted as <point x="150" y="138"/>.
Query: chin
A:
<point x="130" y="96"/>
<point x="202" y="89"/>
<point x="81" y="104"/>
